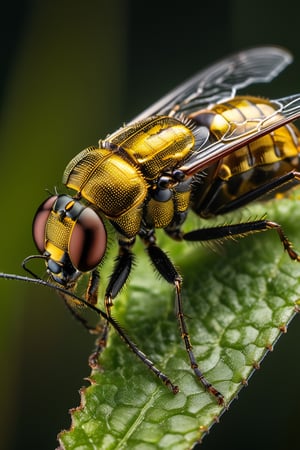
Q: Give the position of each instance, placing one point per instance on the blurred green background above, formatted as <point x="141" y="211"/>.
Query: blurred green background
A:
<point x="71" y="73"/>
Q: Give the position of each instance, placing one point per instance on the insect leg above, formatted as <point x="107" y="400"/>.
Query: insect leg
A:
<point x="166" y="268"/>
<point x="271" y="186"/>
<point x="102" y="327"/>
<point x="92" y="290"/>
<point x="71" y="305"/>
<point x="241" y="230"/>
<point x="121" y="271"/>
<point x="90" y="300"/>
<point x="118" y="278"/>
<point x="100" y="344"/>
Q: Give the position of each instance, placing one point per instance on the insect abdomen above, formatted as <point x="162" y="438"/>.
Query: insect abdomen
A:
<point x="252" y="166"/>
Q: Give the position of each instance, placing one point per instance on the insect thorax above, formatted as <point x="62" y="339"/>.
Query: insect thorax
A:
<point x="120" y="178"/>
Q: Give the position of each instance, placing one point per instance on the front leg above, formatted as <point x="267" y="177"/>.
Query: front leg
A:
<point x="121" y="271"/>
<point x="119" y="276"/>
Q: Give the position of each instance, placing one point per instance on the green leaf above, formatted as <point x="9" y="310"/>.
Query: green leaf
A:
<point x="237" y="302"/>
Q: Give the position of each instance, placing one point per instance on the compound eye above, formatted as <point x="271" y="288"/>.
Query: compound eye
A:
<point x="40" y="221"/>
<point x="87" y="243"/>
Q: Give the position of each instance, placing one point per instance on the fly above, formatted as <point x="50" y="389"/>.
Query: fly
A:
<point x="201" y="149"/>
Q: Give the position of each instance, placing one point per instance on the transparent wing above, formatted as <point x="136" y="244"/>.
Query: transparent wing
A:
<point x="221" y="80"/>
<point x="237" y="135"/>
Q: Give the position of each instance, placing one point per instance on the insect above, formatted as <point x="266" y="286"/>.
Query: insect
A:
<point x="200" y="149"/>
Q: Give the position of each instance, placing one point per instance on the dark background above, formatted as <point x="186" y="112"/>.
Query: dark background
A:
<point x="71" y="72"/>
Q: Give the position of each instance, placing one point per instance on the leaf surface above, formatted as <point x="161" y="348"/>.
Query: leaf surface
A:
<point x="237" y="303"/>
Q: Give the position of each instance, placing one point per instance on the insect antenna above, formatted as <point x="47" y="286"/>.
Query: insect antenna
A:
<point x="123" y="335"/>
<point x="24" y="265"/>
